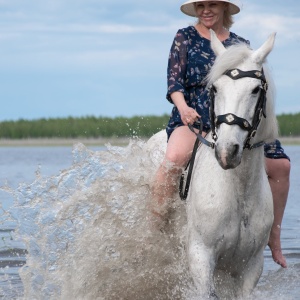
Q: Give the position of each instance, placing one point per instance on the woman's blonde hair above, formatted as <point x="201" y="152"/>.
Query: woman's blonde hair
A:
<point x="228" y="19"/>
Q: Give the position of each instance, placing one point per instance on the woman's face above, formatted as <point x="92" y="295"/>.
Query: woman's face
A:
<point x="210" y="13"/>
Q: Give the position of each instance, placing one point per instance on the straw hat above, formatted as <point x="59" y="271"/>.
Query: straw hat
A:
<point x="189" y="9"/>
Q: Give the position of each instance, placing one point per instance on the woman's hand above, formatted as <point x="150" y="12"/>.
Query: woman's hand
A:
<point x="188" y="114"/>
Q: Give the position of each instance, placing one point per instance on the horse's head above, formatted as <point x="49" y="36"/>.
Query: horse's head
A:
<point x="240" y="103"/>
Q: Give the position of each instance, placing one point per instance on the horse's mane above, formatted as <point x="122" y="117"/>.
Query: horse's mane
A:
<point x="230" y="59"/>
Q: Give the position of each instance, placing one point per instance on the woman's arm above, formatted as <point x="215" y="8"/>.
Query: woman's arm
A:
<point x="177" y="65"/>
<point x="188" y="115"/>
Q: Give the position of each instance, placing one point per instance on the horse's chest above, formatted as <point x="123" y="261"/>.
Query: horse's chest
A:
<point x="231" y="214"/>
<point x="247" y="229"/>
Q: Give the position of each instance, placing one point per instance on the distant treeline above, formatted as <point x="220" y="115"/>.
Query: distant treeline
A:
<point x="88" y="127"/>
<point x="93" y="127"/>
<point x="289" y="124"/>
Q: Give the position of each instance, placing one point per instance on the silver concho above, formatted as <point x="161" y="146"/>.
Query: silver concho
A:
<point x="234" y="73"/>
<point x="258" y="74"/>
<point x="230" y="118"/>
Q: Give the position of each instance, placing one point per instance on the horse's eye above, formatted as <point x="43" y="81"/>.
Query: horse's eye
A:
<point x="256" y="90"/>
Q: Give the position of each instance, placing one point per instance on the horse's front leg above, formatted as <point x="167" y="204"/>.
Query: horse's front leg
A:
<point x="247" y="280"/>
<point x="201" y="265"/>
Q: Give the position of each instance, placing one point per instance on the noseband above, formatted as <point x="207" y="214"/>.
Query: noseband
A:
<point x="232" y="119"/>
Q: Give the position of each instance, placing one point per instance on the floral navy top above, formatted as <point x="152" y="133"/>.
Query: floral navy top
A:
<point x="190" y="59"/>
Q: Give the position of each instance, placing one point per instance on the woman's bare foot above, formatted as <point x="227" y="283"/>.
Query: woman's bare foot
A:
<point x="275" y="247"/>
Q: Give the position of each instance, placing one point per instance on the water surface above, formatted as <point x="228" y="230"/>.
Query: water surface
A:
<point x="80" y="209"/>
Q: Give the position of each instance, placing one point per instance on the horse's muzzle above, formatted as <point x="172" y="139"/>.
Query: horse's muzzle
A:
<point x="228" y="157"/>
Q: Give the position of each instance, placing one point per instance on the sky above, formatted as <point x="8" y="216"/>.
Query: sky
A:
<point x="61" y="58"/>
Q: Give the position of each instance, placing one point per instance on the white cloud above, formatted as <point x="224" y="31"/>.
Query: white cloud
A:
<point x="287" y="28"/>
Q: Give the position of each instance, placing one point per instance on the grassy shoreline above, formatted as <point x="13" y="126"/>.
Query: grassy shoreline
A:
<point x="40" y="142"/>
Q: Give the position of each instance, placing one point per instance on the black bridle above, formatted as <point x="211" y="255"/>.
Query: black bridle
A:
<point x="230" y="119"/>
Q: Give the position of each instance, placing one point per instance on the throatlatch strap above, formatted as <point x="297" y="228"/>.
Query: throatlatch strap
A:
<point x="183" y="194"/>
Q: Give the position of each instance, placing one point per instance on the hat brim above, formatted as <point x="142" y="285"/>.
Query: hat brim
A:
<point x="189" y="9"/>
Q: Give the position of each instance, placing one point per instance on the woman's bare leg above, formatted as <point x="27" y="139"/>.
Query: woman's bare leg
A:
<point x="278" y="171"/>
<point x="165" y="184"/>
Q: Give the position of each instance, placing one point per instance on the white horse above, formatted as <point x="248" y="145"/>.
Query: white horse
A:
<point x="229" y="206"/>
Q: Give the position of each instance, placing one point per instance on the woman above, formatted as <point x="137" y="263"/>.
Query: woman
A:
<point x="189" y="62"/>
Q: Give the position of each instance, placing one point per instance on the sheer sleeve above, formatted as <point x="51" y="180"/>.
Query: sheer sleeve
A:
<point x="177" y="65"/>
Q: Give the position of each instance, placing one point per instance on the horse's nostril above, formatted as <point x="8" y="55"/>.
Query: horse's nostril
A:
<point x="235" y="150"/>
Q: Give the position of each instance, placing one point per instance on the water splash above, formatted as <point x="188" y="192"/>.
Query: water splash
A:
<point x="88" y="231"/>
<point x="88" y="234"/>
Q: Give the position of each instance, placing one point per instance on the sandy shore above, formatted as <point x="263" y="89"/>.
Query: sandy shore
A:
<point x="63" y="142"/>
<point x="95" y="142"/>
<point x="290" y="140"/>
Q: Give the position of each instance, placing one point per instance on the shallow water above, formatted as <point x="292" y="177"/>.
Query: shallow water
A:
<point x="81" y="216"/>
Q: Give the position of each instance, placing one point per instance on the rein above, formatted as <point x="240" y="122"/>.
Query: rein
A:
<point x="230" y="119"/>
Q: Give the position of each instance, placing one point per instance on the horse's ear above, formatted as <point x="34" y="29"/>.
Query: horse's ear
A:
<point x="216" y="44"/>
<point x="260" y="54"/>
